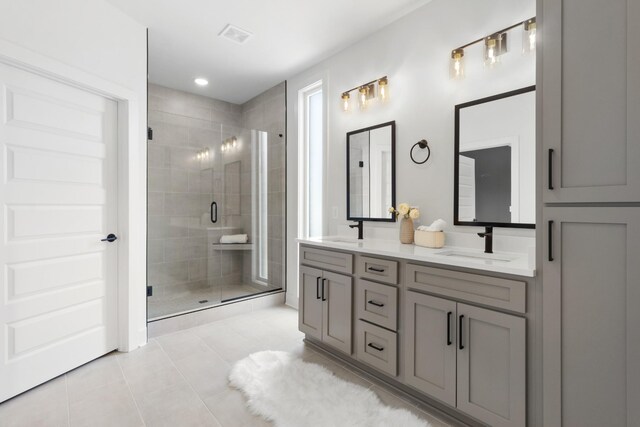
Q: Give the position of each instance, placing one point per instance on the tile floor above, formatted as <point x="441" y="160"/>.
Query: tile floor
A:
<point x="176" y="380"/>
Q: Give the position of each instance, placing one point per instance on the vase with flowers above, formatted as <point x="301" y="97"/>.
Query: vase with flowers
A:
<point x="406" y="214"/>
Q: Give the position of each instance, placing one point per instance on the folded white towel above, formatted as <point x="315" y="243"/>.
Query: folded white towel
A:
<point x="437" y="225"/>
<point x="234" y="238"/>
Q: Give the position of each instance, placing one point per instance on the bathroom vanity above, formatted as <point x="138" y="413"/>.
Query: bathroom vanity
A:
<point x="450" y="327"/>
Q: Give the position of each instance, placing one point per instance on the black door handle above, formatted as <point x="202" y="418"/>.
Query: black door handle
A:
<point x="377" y="270"/>
<point x="460" y="339"/>
<point x="449" y="314"/>
<point x="550" y="165"/>
<point x="377" y="304"/>
<point x="318" y="287"/>
<point x="550" y="230"/>
<point x="323" y="297"/>
<point x="214" y="217"/>
<point x="375" y="347"/>
<point x="110" y="238"/>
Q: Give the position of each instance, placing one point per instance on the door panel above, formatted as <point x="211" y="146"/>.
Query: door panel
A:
<point x="591" y="100"/>
<point x="591" y="314"/>
<point x="430" y="346"/>
<point x="310" y="304"/>
<point x="337" y="314"/>
<point x="492" y="366"/>
<point x="58" y="287"/>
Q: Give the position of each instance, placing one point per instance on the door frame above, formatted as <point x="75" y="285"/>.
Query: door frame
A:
<point x="131" y="159"/>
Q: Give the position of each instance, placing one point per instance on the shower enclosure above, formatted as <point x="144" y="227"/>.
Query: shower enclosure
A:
<point x="214" y="169"/>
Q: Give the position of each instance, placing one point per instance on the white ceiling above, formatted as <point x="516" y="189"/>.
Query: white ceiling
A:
<point x="288" y="37"/>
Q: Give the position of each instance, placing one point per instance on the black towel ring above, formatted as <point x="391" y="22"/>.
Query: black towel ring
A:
<point x="422" y="144"/>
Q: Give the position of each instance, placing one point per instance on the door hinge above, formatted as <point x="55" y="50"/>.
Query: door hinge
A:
<point x="149" y="291"/>
<point x="149" y="134"/>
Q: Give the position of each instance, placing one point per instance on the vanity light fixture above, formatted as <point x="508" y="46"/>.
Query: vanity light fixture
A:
<point x="366" y="93"/>
<point x="203" y="154"/>
<point x="529" y="36"/>
<point x="494" y="46"/>
<point x="201" y="81"/>
<point x="456" y="69"/>
<point x="229" y="143"/>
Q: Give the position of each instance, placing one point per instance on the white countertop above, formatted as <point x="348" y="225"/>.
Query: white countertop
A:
<point x="518" y="264"/>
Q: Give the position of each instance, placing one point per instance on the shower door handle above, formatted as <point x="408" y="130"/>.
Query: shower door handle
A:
<point x="214" y="212"/>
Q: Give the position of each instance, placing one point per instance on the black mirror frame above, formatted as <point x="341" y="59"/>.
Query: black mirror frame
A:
<point x="456" y="164"/>
<point x="393" y="172"/>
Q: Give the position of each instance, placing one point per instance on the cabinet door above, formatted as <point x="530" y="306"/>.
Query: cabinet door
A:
<point x="337" y="316"/>
<point x="591" y="316"/>
<point x="429" y="346"/>
<point x="492" y="366"/>
<point x="590" y="100"/>
<point x="310" y="303"/>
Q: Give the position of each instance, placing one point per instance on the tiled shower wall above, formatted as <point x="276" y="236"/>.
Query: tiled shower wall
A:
<point x="182" y="187"/>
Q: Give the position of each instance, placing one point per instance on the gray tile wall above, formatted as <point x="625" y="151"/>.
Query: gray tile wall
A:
<point x="182" y="187"/>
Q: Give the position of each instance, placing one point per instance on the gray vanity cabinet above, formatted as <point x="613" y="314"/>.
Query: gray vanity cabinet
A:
<point x="326" y="307"/>
<point x="591" y="318"/>
<point x="491" y="359"/>
<point x="430" y="356"/>
<point x="590" y="100"/>
<point x="310" y="303"/>
<point x="469" y="357"/>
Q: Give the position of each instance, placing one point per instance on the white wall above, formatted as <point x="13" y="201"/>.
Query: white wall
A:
<point x="98" y="39"/>
<point x="414" y="52"/>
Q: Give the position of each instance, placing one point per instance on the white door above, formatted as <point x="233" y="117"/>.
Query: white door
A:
<point x="58" y="200"/>
<point x="467" y="189"/>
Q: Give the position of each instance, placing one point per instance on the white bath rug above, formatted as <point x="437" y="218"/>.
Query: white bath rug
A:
<point x="282" y="388"/>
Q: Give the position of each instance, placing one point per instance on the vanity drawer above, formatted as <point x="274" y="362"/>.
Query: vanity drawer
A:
<point x="491" y="291"/>
<point x="377" y="303"/>
<point x="382" y="270"/>
<point x="327" y="260"/>
<point x="377" y="347"/>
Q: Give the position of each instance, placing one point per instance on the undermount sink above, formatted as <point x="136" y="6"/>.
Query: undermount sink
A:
<point x="342" y="240"/>
<point x="478" y="255"/>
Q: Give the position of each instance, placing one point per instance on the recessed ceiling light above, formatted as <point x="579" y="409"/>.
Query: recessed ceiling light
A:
<point x="201" y="81"/>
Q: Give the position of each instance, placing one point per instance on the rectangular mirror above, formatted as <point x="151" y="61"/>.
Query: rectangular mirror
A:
<point x="371" y="173"/>
<point x="495" y="161"/>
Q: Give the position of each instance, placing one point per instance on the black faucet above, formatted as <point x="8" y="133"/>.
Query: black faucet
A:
<point x="488" y="239"/>
<point x="359" y="227"/>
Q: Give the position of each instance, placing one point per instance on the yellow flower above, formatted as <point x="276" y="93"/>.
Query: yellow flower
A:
<point x="403" y="208"/>
<point x="414" y="214"/>
<point x="391" y="210"/>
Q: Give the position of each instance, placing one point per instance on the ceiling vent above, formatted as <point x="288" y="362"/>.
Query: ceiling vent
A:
<point x="235" y="34"/>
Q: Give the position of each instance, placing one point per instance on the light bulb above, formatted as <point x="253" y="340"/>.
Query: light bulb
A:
<point x="233" y="141"/>
<point x="456" y="70"/>
<point x="494" y="46"/>
<point x="529" y="36"/>
<point x="363" y="97"/>
<point x="383" y="89"/>
<point x="345" y="101"/>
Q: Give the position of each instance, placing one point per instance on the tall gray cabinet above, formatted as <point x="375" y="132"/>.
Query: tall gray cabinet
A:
<point x="589" y="222"/>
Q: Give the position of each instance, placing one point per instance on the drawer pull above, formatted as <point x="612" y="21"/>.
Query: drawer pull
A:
<point x="377" y="304"/>
<point x="376" y="270"/>
<point x="375" y="347"/>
